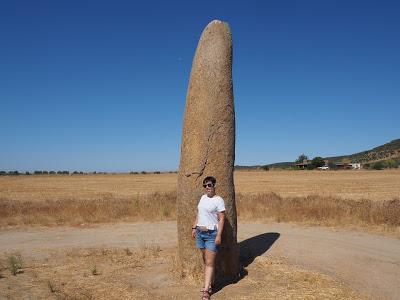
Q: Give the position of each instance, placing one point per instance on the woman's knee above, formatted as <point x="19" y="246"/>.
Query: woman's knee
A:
<point x="209" y="263"/>
<point x="209" y="259"/>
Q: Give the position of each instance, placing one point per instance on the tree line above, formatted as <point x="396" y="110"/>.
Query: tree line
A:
<point x="16" y="173"/>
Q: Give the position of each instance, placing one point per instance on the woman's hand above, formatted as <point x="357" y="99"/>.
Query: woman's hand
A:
<point x="218" y="240"/>
<point x="194" y="233"/>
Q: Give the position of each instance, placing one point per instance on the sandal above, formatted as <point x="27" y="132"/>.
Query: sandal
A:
<point x="206" y="295"/>
<point x="209" y="290"/>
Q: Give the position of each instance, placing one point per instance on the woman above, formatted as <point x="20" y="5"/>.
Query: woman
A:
<point x="207" y="230"/>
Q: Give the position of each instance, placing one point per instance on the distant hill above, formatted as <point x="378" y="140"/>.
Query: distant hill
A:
<point x="386" y="151"/>
<point x="389" y="150"/>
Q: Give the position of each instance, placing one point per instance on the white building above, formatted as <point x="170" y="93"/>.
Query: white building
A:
<point x="355" y="166"/>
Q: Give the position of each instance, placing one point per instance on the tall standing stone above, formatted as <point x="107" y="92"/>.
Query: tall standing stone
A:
<point x="208" y="147"/>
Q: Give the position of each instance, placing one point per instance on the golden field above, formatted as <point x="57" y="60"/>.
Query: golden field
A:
<point x="368" y="199"/>
<point x="349" y="184"/>
<point x="373" y="185"/>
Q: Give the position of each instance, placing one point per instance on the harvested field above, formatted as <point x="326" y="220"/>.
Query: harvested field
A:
<point x="374" y="185"/>
<point x="84" y="187"/>
<point x="283" y="196"/>
<point x="349" y="184"/>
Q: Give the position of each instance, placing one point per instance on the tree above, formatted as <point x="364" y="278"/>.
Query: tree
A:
<point x="265" y="168"/>
<point x="378" y="165"/>
<point x="332" y="165"/>
<point x="318" y="162"/>
<point x="391" y="163"/>
<point x="301" y="158"/>
<point x="310" y="167"/>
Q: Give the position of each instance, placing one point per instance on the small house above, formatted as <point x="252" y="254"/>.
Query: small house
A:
<point x="355" y="166"/>
<point x="304" y="164"/>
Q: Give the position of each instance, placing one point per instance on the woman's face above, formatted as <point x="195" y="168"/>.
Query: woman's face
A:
<point x="210" y="189"/>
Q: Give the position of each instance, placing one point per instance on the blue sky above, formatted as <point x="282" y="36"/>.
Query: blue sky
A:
<point x="101" y="85"/>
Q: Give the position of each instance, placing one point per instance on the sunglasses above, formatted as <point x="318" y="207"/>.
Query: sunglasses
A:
<point x="207" y="185"/>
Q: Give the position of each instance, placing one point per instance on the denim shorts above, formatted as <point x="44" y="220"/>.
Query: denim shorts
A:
<point x="206" y="239"/>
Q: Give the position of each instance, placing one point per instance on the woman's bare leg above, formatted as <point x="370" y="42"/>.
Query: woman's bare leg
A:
<point x="209" y="268"/>
<point x="203" y="252"/>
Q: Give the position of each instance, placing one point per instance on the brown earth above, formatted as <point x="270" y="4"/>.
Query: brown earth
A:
<point x="136" y="260"/>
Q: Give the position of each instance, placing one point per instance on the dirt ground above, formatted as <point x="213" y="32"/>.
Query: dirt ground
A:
<point x="136" y="260"/>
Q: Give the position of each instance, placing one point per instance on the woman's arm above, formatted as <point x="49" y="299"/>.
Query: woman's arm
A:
<point x="194" y="225"/>
<point x="221" y="221"/>
<point x="195" y="221"/>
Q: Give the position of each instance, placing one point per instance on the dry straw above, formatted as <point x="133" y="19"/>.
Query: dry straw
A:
<point x="162" y="206"/>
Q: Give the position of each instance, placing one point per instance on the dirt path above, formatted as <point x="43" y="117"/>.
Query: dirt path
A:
<point x="368" y="263"/>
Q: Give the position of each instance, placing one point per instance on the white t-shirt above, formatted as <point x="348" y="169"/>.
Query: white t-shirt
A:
<point x="208" y="209"/>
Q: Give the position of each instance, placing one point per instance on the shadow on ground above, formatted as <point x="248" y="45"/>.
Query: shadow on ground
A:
<point x="256" y="246"/>
<point x="249" y="250"/>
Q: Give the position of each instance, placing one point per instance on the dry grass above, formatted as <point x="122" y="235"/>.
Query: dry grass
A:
<point x="315" y="210"/>
<point x="274" y="278"/>
<point x="338" y="198"/>
<point x="70" y="275"/>
<point x="374" y="185"/>
<point x="148" y="207"/>
<point x="318" y="210"/>
<point x="350" y="184"/>
<point x="145" y="274"/>
<point x="88" y="187"/>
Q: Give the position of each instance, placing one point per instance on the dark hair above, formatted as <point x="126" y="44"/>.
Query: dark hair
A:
<point x="210" y="178"/>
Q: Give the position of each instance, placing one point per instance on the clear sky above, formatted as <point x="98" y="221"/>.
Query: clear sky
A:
<point x="101" y="85"/>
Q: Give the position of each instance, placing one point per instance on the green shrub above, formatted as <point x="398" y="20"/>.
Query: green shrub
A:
<point x="302" y="157"/>
<point x="52" y="287"/>
<point x="380" y="165"/>
<point x="318" y="162"/>
<point x="14" y="262"/>
<point x="94" y="271"/>
<point x="391" y="163"/>
<point x="332" y="165"/>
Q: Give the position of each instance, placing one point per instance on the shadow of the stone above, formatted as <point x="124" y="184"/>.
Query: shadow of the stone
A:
<point x="256" y="246"/>
<point x="249" y="250"/>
